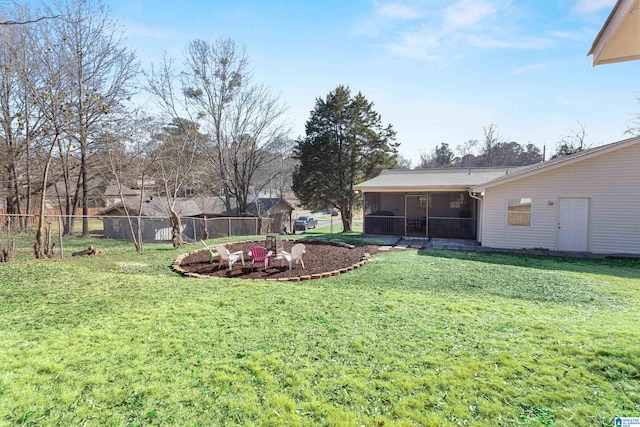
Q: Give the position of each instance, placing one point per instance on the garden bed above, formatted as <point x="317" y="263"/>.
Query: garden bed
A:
<point x="322" y="259"/>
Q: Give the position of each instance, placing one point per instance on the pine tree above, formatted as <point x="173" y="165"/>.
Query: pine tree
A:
<point x="345" y="144"/>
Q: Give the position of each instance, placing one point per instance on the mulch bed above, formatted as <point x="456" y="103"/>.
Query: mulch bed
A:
<point x="320" y="257"/>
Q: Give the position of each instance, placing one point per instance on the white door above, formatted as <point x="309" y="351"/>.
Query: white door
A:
<point x="573" y="224"/>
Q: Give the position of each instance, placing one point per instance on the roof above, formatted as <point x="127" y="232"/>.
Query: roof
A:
<point x="476" y="179"/>
<point x="431" y="179"/>
<point x="619" y="38"/>
<point x="112" y="190"/>
<point x="525" y="171"/>
<point x="154" y="207"/>
<point x="191" y="206"/>
<point x="263" y="205"/>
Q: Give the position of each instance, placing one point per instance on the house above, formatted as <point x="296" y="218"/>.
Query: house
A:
<point x="113" y="194"/>
<point x="619" y="38"/>
<point x="201" y="217"/>
<point x="589" y="201"/>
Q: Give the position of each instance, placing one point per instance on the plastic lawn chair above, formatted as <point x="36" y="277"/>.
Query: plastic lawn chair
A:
<point x="225" y="256"/>
<point x="259" y="255"/>
<point x="294" y="256"/>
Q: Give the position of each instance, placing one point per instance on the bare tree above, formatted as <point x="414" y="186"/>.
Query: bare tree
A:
<point x="19" y="119"/>
<point x="243" y="120"/>
<point x="491" y="140"/>
<point x="277" y="172"/>
<point x="403" y="162"/>
<point x="126" y="158"/>
<point x="634" y="128"/>
<point x="174" y="158"/>
<point x="466" y="152"/>
<point x="47" y="87"/>
<point x="425" y="161"/>
<point x="572" y="143"/>
<point x="100" y="71"/>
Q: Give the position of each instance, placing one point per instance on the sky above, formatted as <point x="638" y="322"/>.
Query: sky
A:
<point x="437" y="70"/>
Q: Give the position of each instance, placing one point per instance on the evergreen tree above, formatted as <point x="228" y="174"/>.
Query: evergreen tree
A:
<point x="345" y="144"/>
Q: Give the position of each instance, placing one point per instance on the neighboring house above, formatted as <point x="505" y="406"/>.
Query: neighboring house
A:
<point x="113" y="194"/>
<point x="589" y="201"/>
<point x="619" y="38"/>
<point x="57" y="194"/>
<point x="201" y="217"/>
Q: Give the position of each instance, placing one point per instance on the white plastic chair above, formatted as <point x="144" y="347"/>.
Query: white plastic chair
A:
<point x="229" y="257"/>
<point x="225" y="255"/>
<point x="296" y="255"/>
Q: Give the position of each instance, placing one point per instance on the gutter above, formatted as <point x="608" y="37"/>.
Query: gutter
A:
<point x="474" y="196"/>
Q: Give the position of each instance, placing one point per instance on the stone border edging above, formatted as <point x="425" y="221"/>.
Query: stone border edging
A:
<point x="175" y="265"/>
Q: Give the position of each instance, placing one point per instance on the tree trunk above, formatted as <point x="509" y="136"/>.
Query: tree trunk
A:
<point x="177" y="230"/>
<point x="43" y="247"/>
<point x="85" y="196"/>
<point x="347" y="217"/>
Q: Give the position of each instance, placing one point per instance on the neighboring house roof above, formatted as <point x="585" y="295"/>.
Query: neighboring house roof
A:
<point x="209" y="206"/>
<point x="458" y="179"/>
<point x="153" y="207"/>
<point x="263" y="205"/>
<point x="619" y="38"/>
<point x="95" y="187"/>
<point x="525" y="171"/>
<point x="112" y="190"/>
<point x="189" y="206"/>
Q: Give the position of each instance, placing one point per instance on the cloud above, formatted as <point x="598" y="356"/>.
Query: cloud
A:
<point x="592" y="6"/>
<point x="491" y="42"/>
<point x="446" y="32"/>
<point x="468" y="13"/>
<point x="531" y="68"/>
<point x="422" y="44"/>
<point x="397" y="11"/>
<point x="571" y="35"/>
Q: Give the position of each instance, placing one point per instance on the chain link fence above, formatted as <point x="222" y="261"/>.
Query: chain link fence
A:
<point x="152" y="229"/>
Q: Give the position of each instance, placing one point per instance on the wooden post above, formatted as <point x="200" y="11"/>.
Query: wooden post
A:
<point x="60" y="236"/>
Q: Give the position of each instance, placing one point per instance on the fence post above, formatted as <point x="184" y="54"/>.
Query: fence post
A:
<point x="195" y="232"/>
<point x="229" y="219"/>
<point x="60" y="236"/>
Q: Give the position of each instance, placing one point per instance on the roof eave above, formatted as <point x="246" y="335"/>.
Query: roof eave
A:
<point x="406" y="189"/>
<point x="619" y="17"/>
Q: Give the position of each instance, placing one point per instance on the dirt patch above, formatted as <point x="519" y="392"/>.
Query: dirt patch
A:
<point x="321" y="258"/>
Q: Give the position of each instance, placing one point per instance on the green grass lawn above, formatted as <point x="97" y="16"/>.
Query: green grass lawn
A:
<point x="428" y="338"/>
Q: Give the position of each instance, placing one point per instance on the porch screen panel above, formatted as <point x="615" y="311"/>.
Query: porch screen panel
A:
<point x="392" y="204"/>
<point x="371" y="203"/>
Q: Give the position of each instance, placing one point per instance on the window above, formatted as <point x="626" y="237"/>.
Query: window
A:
<point x="519" y="211"/>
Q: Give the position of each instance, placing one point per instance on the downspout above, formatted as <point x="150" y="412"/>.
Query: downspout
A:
<point x="479" y="198"/>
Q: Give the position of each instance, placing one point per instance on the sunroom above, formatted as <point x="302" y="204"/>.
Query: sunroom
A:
<point x="426" y="203"/>
<point x="420" y="214"/>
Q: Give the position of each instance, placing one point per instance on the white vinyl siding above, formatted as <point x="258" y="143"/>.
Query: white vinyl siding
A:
<point x="610" y="181"/>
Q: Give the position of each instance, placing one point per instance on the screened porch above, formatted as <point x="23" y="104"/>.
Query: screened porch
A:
<point x="433" y="214"/>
